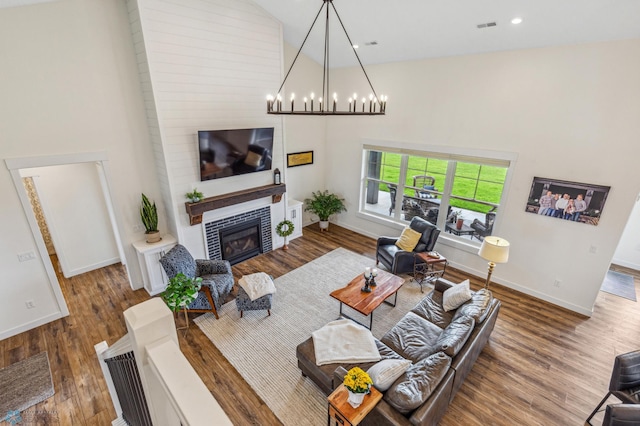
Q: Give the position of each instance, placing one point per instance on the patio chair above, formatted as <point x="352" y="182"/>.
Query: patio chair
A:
<point x="483" y="229"/>
<point x="393" y="189"/>
<point x="424" y="182"/>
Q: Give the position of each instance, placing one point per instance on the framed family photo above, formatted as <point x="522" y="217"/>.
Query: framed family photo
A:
<point x="572" y="201"/>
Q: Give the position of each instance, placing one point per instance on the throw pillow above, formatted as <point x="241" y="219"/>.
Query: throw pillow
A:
<point x="408" y="240"/>
<point x="253" y="159"/>
<point x="387" y="371"/>
<point x="456" y="296"/>
<point x="414" y="387"/>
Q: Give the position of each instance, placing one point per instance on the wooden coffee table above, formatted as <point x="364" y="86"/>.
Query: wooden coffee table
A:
<point x="365" y="303"/>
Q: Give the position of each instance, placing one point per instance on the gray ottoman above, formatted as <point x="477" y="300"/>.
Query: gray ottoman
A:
<point x="243" y="303"/>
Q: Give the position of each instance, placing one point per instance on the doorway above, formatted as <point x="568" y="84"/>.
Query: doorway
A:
<point x="68" y="238"/>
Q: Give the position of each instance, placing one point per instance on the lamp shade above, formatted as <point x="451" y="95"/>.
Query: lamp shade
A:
<point x="494" y="249"/>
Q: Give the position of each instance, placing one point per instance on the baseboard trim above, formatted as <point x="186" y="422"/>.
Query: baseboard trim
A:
<point x="626" y="264"/>
<point x="31" y="325"/>
<point x="93" y="267"/>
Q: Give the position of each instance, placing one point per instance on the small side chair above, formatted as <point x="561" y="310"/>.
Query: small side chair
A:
<point x="217" y="278"/>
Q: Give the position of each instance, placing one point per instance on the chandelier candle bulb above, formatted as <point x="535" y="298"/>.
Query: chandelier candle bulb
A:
<point x="305" y="104"/>
<point x="320" y="104"/>
<point x="350" y="100"/>
<point x="335" y="99"/>
<point x="312" y="96"/>
<point x="363" y="102"/>
<point x="292" y="96"/>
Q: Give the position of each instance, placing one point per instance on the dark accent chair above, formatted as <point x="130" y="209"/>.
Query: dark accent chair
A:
<point x="397" y="260"/>
<point x="240" y="166"/>
<point x="621" y="415"/>
<point x="217" y="278"/>
<point x="625" y="381"/>
<point x="483" y="229"/>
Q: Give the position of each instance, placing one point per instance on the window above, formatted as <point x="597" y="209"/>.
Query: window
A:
<point x="439" y="187"/>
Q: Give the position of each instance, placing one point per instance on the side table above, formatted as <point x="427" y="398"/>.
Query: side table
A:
<point x="424" y="267"/>
<point x="343" y="414"/>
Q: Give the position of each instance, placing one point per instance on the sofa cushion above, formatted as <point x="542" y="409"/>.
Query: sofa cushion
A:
<point x="408" y="239"/>
<point x="430" y="308"/>
<point x="455" y="335"/>
<point x="387" y="371"/>
<point x="456" y="296"/>
<point x="413" y="337"/>
<point x="478" y="307"/>
<point x="415" y="386"/>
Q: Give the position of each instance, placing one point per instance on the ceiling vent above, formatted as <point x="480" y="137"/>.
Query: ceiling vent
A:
<point x="487" y="25"/>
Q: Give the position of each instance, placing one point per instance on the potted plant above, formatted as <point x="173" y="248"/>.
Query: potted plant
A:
<point x="323" y="204"/>
<point x="181" y="292"/>
<point x="195" y="195"/>
<point x="357" y="382"/>
<point x="284" y="229"/>
<point x="149" y="216"/>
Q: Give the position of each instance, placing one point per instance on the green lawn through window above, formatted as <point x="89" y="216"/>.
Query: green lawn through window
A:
<point x="472" y="181"/>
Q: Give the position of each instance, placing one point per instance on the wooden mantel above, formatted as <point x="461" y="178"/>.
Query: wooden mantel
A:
<point x="196" y="210"/>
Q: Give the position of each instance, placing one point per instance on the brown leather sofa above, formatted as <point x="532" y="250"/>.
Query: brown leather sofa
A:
<point x="443" y="347"/>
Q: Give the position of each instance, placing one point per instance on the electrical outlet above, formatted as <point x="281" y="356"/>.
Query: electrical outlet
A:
<point x="593" y="249"/>
<point x="29" y="255"/>
<point x="557" y="283"/>
<point x="138" y="228"/>
<point x="30" y="304"/>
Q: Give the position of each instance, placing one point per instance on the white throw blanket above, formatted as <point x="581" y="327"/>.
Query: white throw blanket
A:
<point x="343" y="341"/>
<point x="257" y="285"/>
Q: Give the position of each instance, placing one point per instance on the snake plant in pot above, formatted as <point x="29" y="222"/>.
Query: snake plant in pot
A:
<point x="149" y="216"/>
<point x="324" y="204"/>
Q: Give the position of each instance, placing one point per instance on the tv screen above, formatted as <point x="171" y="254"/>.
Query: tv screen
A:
<point x="234" y="152"/>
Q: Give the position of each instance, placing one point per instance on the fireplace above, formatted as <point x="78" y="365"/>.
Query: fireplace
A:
<point x="225" y="228"/>
<point x="241" y="242"/>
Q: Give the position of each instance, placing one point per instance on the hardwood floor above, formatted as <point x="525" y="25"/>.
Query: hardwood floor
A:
<point x="543" y="365"/>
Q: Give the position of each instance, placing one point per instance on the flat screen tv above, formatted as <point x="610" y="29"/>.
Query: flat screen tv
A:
<point x="234" y="152"/>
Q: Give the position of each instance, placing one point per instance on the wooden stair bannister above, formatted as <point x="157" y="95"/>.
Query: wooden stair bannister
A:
<point x="196" y="210"/>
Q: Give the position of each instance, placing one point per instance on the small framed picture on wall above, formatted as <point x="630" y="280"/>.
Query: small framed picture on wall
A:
<point x="299" y="158"/>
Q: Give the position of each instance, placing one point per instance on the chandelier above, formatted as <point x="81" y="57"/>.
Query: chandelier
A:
<point x="371" y="105"/>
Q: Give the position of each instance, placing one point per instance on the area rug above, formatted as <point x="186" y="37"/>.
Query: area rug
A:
<point x="24" y="384"/>
<point x="619" y="284"/>
<point x="263" y="348"/>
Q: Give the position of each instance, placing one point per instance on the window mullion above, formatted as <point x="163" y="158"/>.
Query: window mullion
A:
<point x="402" y="178"/>
<point x="446" y="194"/>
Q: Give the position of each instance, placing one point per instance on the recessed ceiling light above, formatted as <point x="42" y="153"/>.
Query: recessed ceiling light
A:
<point x="516" y="20"/>
<point x="355" y="46"/>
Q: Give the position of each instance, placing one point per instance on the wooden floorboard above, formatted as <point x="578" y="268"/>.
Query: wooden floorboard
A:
<point x="543" y="365"/>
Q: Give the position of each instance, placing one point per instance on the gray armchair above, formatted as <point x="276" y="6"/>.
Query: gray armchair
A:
<point x="217" y="278"/>
<point x="397" y="260"/>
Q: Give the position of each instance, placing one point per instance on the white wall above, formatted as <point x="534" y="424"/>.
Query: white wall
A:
<point x="570" y="113"/>
<point x="210" y="66"/>
<point x="304" y="133"/>
<point x="77" y="217"/>
<point x="69" y="84"/>
<point x="628" y="251"/>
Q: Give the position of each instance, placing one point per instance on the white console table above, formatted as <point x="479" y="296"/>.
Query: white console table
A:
<point x="149" y="255"/>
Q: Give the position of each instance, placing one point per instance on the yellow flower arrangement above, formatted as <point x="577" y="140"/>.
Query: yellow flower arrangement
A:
<point x="357" y="380"/>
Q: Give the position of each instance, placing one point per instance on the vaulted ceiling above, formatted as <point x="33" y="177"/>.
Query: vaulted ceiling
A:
<point x="390" y="31"/>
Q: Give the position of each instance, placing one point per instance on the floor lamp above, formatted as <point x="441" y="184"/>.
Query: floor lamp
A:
<point x="495" y="250"/>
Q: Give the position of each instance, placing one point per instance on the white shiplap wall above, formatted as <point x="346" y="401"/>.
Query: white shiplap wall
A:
<point x="209" y="65"/>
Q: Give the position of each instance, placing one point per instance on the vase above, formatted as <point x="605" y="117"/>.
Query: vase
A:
<point x="459" y="223"/>
<point x="355" y="399"/>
